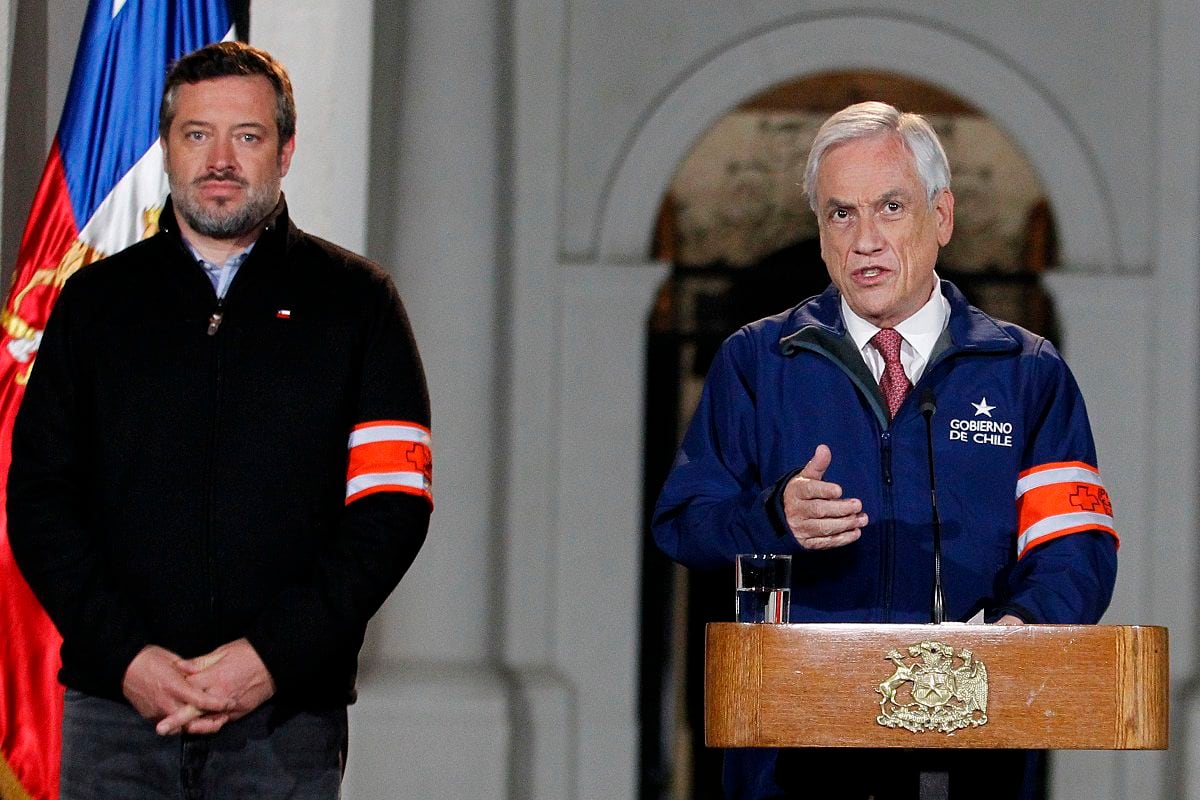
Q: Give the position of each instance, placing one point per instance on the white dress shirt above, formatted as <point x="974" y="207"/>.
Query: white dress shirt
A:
<point x="920" y="333"/>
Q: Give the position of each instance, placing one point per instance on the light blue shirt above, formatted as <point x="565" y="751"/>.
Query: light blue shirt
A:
<point x="221" y="275"/>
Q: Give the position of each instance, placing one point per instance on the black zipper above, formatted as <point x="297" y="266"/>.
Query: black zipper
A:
<point x="214" y="326"/>
<point x="885" y="456"/>
<point x="218" y="314"/>
<point x="888" y="539"/>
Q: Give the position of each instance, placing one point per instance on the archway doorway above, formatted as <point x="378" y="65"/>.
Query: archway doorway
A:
<point x="741" y="240"/>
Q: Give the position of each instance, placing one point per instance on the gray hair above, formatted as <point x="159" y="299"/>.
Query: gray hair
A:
<point x="864" y="120"/>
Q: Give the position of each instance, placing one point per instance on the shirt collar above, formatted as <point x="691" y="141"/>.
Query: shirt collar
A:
<point x="920" y="331"/>
<point x="220" y="275"/>
<point x="233" y="261"/>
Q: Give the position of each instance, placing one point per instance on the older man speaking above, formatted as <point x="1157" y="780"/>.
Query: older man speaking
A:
<point x="809" y="439"/>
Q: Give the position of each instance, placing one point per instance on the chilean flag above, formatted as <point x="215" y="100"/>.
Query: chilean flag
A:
<point x="102" y="190"/>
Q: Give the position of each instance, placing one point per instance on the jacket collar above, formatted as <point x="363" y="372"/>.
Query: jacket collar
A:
<point x="819" y="322"/>
<point x="817" y="326"/>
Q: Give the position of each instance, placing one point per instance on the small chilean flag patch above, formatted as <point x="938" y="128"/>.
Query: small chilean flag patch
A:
<point x="283" y="313"/>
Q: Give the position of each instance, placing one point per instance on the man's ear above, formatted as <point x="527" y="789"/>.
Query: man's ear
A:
<point x="943" y="207"/>
<point x="285" y="155"/>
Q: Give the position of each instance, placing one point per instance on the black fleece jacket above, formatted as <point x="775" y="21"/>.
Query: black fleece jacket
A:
<point x="180" y="483"/>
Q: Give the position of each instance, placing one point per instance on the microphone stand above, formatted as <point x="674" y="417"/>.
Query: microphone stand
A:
<point x="935" y="785"/>
<point x="928" y="407"/>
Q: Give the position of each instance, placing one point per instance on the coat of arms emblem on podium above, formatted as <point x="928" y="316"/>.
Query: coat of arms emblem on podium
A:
<point x="928" y="692"/>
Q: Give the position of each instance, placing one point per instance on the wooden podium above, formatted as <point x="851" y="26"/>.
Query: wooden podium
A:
<point x="1083" y="687"/>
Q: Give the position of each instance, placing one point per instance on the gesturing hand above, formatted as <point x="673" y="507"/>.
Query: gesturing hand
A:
<point x="816" y="513"/>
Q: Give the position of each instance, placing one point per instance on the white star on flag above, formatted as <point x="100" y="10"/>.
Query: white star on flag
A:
<point x="982" y="407"/>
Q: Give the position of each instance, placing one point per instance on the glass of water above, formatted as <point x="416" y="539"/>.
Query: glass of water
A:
<point x="764" y="588"/>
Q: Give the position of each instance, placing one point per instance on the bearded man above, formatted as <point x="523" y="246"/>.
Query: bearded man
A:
<point x="221" y="469"/>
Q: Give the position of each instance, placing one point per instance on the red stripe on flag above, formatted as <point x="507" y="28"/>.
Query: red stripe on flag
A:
<point x="49" y="232"/>
<point x="31" y="698"/>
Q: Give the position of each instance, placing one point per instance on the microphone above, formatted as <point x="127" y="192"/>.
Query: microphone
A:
<point x="928" y="407"/>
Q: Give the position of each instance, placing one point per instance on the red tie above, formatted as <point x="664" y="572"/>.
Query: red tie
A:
<point x="893" y="382"/>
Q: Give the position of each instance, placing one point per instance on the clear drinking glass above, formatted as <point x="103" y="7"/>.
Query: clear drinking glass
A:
<point x="764" y="588"/>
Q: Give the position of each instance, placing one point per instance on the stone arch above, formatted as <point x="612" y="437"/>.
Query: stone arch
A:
<point x="1083" y="205"/>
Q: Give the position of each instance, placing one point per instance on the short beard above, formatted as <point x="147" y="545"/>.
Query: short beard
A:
<point x="228" y="220"/>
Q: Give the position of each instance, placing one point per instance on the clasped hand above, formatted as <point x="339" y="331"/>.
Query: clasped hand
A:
<point x="197" y="695"/>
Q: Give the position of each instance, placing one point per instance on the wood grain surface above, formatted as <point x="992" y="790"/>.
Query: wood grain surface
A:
<point x="1088" y="687"/>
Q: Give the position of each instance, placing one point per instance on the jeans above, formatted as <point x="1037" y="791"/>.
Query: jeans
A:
<point x="110" y="751"/>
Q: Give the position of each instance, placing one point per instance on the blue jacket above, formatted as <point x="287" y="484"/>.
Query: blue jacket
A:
<point x="1026" y="524"/>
